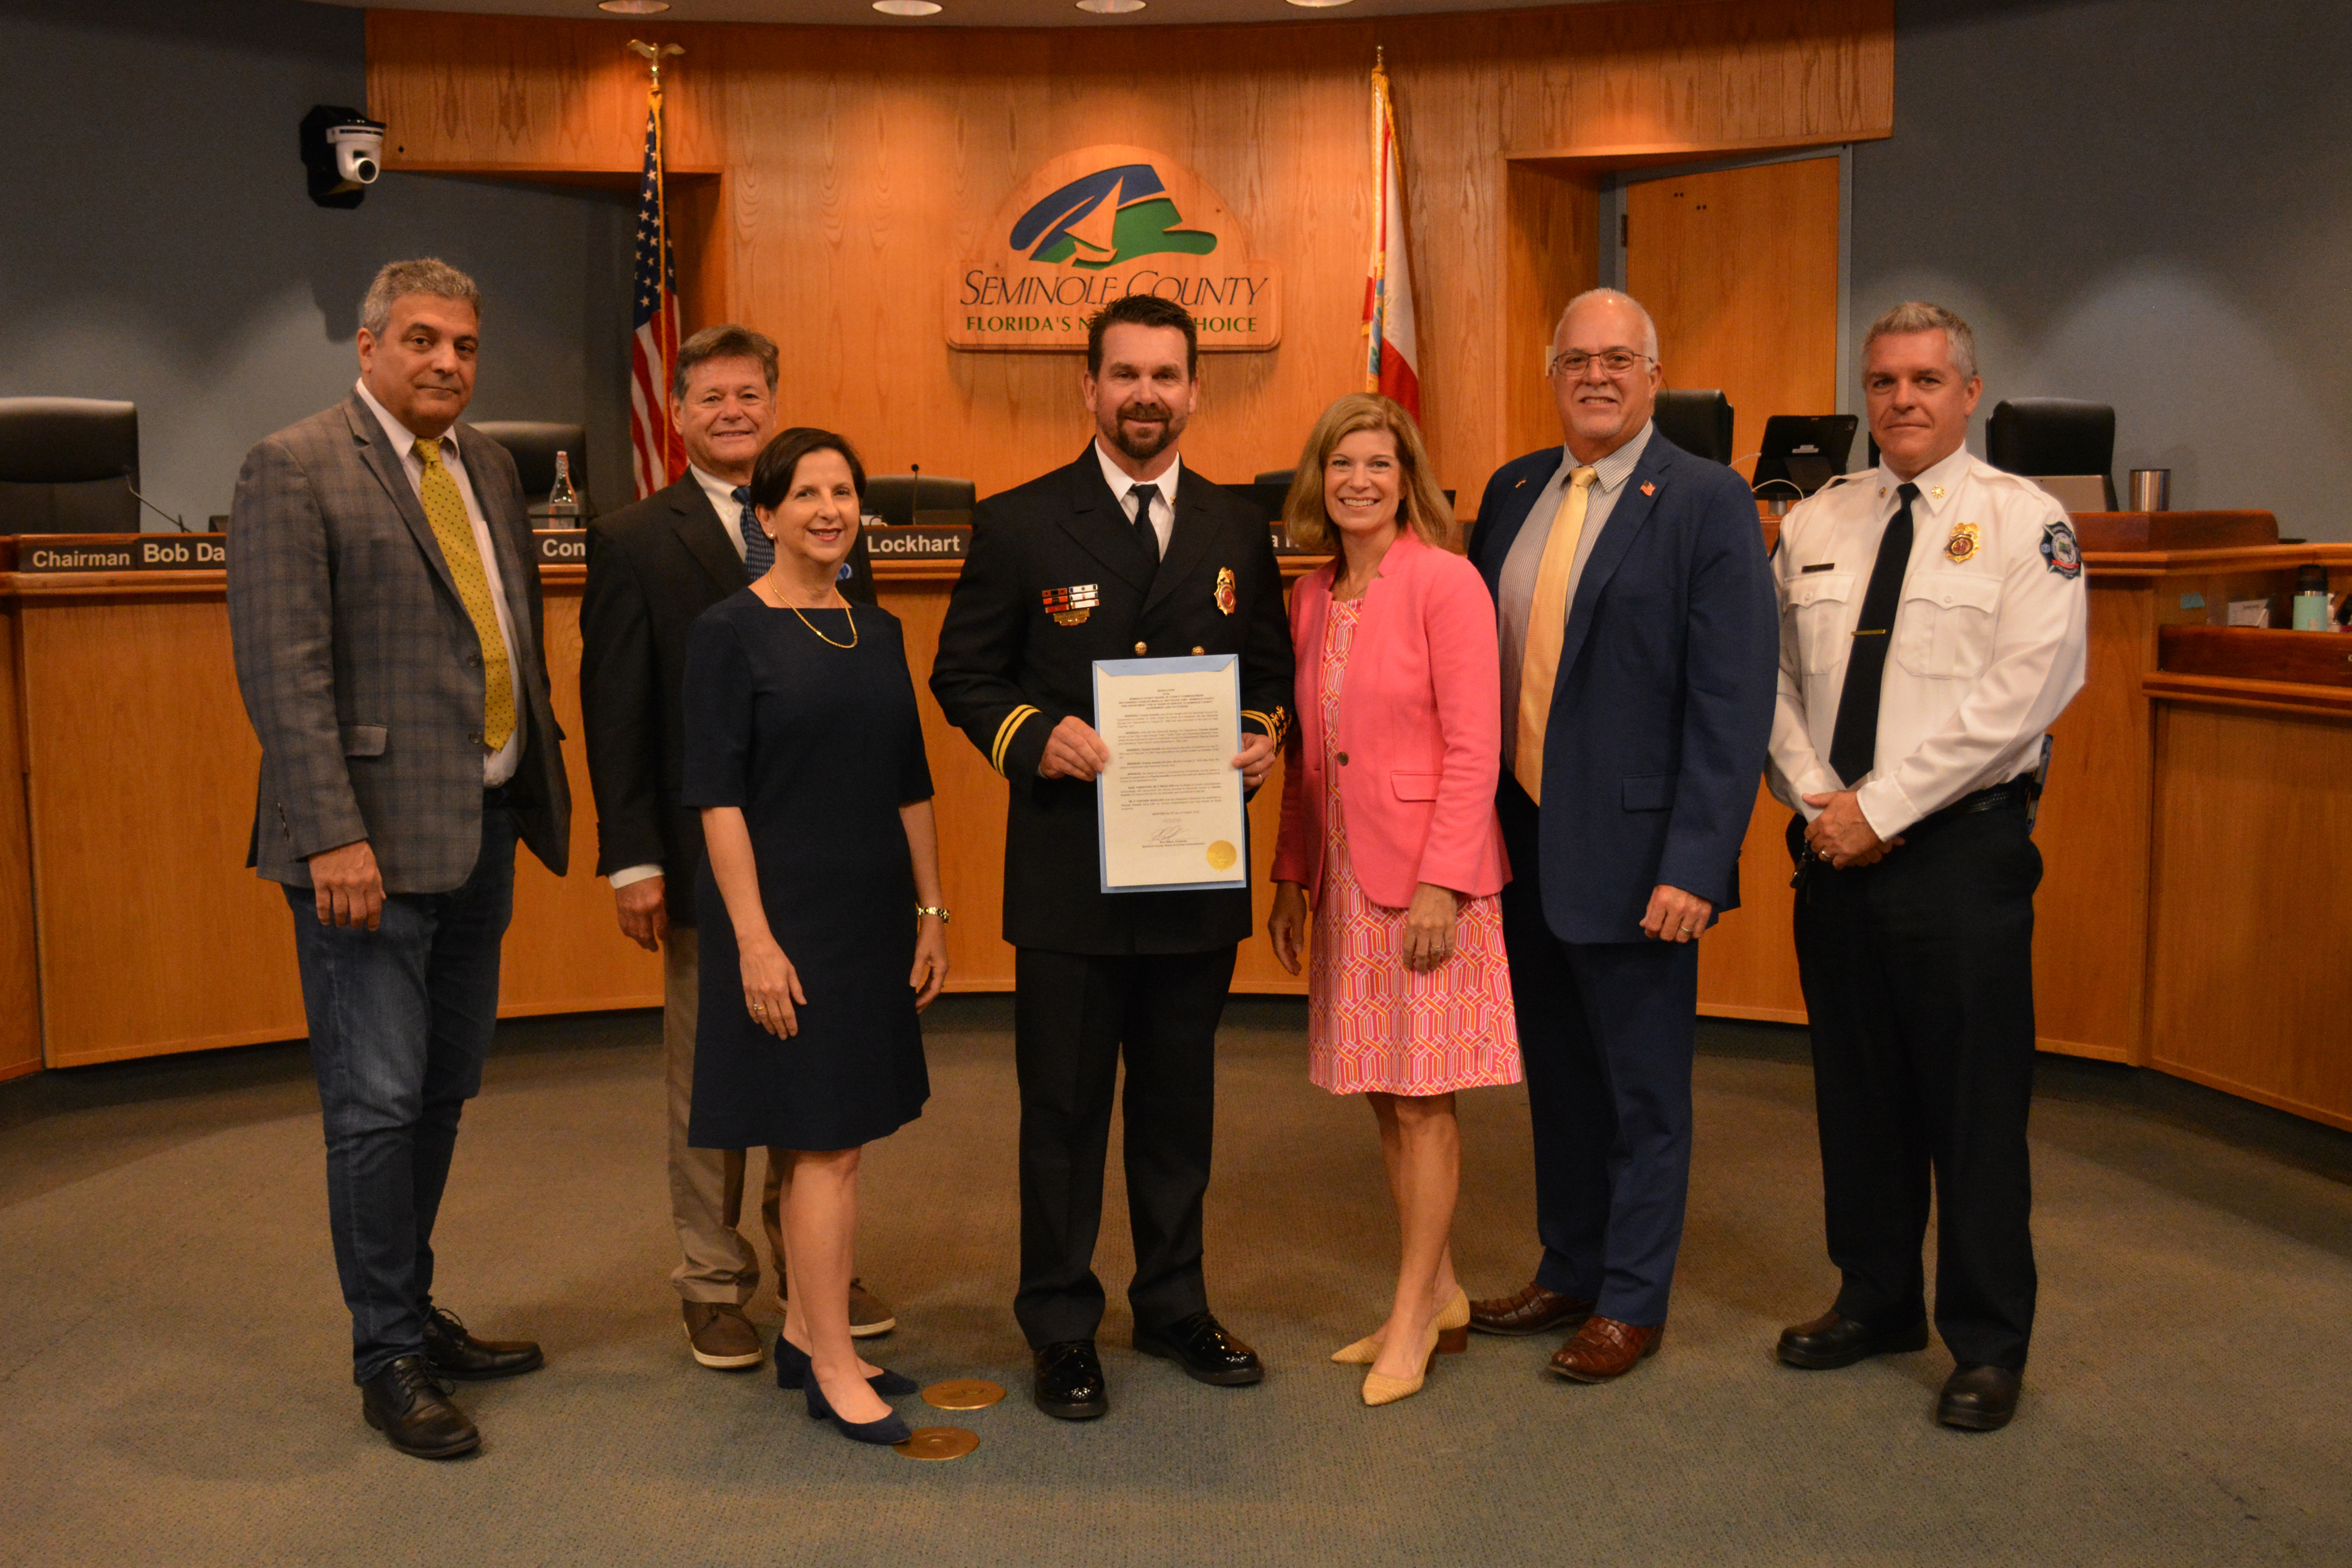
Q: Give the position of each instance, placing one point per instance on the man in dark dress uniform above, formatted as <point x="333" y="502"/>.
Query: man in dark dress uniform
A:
<point x="1123" y="555"/>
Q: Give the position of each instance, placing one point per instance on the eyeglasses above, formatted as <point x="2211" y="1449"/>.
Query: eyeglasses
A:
<point x="1615" y="361"/>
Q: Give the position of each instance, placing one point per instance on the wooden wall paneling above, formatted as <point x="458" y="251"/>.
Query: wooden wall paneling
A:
<point x="521" y="95"/>
<point x="20" y="1004"/>
<point x="1551" y="254"/>
<point x="1740" y="267"/>
<point x="2253" y="849"/>
<point x="863" y="163"/>
<point x="1748" y="962"/>
<point x="700" y="247"/>
<point x="1451" y="130"/>
<point x="968" y="802"/>
<point x="155" y="937"/>
<point x="2090" y="926"/>
<point x="1653" y="83"/>
<point x="564" y="952"/>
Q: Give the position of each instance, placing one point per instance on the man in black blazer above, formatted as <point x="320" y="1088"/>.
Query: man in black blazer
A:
<point x="654" y="568"/>
<point x="1123" y="555"/>
<point x="1640" y="642"/>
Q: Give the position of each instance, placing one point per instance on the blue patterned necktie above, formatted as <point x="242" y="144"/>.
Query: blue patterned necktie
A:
<point x="759" y="549"/>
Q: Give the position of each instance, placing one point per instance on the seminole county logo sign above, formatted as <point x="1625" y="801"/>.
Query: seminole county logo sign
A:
<point x="1096" y="225"/>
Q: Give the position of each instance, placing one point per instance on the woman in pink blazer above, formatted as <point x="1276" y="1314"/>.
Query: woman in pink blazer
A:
<point x="1389" y="827"/>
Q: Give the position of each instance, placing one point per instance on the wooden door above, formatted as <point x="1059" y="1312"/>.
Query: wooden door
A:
<point x="1740" y="269"/>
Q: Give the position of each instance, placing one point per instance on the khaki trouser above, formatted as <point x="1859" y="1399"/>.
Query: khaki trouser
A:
<point x="705" y="1185"/>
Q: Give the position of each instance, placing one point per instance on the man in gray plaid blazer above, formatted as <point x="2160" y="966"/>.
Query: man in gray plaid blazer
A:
<point x="383" y="602"/>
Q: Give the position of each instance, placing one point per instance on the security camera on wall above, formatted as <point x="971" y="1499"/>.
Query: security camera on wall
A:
<point x="343" y="151"/>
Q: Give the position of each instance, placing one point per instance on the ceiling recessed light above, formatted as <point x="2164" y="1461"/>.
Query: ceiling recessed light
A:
<point x="633" y="7"/>
<point x="908" y="7"/>
<point x="1317" y="5"/>
<point x="1110" y="8"/>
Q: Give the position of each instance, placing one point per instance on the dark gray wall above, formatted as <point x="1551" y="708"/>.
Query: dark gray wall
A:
<point x="2146" y="203"/>
<point x="158" y="244"/>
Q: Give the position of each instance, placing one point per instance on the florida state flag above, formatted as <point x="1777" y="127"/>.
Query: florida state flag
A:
<point x="1392" y="352"/>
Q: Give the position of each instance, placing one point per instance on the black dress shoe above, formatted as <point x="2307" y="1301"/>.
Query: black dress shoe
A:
<point x="454" y="1353"/>
<point x="1979" y="1398"/>
<point x="1070" y="1381"/>
<point x="414" y="1413"/>
<point x="1832" y="1340"/>
<point x="1200" y="1345"/>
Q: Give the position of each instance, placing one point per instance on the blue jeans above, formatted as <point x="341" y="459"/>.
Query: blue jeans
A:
<point x="400" y="1019"/>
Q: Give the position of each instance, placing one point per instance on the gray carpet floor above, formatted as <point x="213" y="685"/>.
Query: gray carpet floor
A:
<point x="173" y="1379"/>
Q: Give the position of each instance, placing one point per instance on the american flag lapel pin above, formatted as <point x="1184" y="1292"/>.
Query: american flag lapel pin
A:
<point x="1648" y="489"/>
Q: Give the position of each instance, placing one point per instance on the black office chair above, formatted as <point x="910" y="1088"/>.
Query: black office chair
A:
<point x="533" y="443"/>
<point x="1698" y="421"/>
<point x="1277" y="477"/>
<point x="892" y="498"/>
<point x="2055" y="438"/>
<point x="68" y="465"/>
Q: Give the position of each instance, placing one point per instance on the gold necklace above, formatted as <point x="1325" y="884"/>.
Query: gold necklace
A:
<point x="826" y="640"/>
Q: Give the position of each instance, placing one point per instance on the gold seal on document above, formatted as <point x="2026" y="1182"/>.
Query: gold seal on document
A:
<point x="1222" y="856"/>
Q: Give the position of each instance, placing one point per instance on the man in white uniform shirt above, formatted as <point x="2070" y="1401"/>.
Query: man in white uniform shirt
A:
<point x="652" y="569"/>
<point x="1931" y="630"/>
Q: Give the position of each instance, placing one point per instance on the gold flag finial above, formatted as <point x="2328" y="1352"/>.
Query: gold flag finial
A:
<point x="654" y="54"/>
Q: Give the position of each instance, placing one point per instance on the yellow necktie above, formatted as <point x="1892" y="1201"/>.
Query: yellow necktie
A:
<point x="1546" y="626"/>
<point x="444" y="508"/>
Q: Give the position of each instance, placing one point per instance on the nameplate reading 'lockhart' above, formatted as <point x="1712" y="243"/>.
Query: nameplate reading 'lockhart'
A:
<point x="918" y="543"/>
<point x="1096" y="225"/>
<point x="123" y="553"/>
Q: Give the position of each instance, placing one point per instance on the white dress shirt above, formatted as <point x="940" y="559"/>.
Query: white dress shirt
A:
<point x="724" y="502"/>
<point x="498" y="766"/>
<point x="1988" y="635"/>
<point x="1523" y="564"/>
<point x="1163" y="510"/>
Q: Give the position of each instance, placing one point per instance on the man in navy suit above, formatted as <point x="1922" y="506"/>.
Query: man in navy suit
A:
<point x="1640" y="655"/>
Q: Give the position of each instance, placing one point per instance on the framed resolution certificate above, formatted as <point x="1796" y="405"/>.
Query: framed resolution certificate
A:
<point x="1170" y="801"/>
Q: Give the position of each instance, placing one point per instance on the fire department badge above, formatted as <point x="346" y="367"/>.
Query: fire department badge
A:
<point x="1962" y="545"/>
<point x="2060" y="552"/>
<point x="1226" y="600"/>
<point x="1070" y="607"/>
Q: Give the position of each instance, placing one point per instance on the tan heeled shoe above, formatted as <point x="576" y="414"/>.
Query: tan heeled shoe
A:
<point x="1453" y="1335"/>
<point x="1379" y="1390"/>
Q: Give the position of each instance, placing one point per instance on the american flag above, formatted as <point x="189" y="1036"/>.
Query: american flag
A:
<point x="656" y="454"/>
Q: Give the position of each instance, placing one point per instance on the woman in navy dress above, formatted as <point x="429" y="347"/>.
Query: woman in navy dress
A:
<point x="823" y="933"/>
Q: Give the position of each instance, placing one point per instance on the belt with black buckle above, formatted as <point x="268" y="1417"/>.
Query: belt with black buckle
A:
<point x="2018" y="791"/>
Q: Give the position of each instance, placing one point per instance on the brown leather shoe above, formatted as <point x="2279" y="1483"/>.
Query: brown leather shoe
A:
<point x="1530" y="1312"/>
<point x="1605" y="1348"/>
<point x="721" y="1337"/>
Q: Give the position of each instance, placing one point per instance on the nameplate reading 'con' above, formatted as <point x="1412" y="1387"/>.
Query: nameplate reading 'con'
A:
<point x="562" y="546"/>
<point x="123" y="553"/>
<point x="904" y="543"/>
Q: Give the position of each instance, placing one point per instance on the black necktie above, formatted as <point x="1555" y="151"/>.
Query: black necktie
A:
<point x="759" y="549"/>
<point x="1144" y="496"/>
<point x="1853" y="744"/>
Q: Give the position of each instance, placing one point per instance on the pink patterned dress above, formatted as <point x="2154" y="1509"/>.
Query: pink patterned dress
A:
<point x="1373" y="1024"/>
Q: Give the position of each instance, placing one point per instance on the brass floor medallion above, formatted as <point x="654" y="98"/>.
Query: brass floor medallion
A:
<point x="963" y="1393"/>
<point x="939" y="1442"/>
